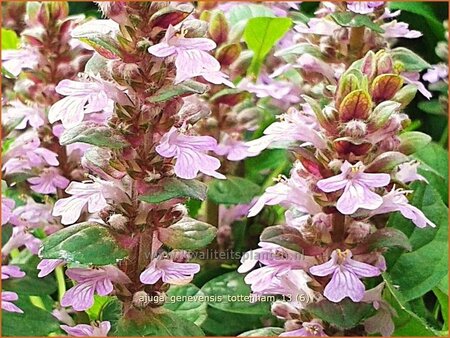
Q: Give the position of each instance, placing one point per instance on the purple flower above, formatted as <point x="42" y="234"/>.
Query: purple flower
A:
<point x="191" y="57"/>
<point x="92" y="194"/>
<point x="293" y="126"/>
<point x="84" y="330"/>
<point x="407" y="172"/>
<point x="20" y="236"/>
<point x="437" y="73"/>
<point x="288" y="192"/>
<point x="7" y="298"/>
<point x="266" y="86"/>
<point x="169" y="272"/>
<point x="100" y="280"/>
<point x="34" y="214"/>
<point x="363" y="7"/>
<point x="318" y="26"/>
<point x="190" y="154"/>
<point x="234" y="150"/>
<point x="395" y="200"/>
<point x="382" y="321"/>
<point x="7" y="207"/>
<point x="83" y="98"/>
<point x="29" y="114"/>
<point x="309" y="329"/>
<point x="46" y="266"/>
<point x="396" y="29"/>
<point x="346" y="273"/>
<point x="414" y="79"/>
<point x="14" y="61"/>
<point x="48" y="181"/>
<point x="357" y="188"/>
<point x="11" y="271"/>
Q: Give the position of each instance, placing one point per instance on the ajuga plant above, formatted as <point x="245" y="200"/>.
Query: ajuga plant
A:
<point x="140" y="144"/>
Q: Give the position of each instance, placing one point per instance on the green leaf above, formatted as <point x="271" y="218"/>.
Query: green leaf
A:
<point x="347" y="19"/>
<point x="233" y="190"/>
<point x="424" y="10"/>
<point x="187" y="234"/>
<point x="105" y="45"/>
<point x="261" y="34"/>
<point x="417" y="272"/>
<point x="30" y="284"/>
<point x="345" y="314"/>
<point x="407" y="323"/>
<point x="413" y="141"/>
<point x="187" y="87"/>
<point x="186" y="301"/>
<point x="290" y="238"/>
<point x="111" y="311"/>
<point x="432" y="107"/>
<point x="84" y="243"/>
<point x="410" y="60"/>
<point x="175" y="187"/>
<point x="263" y="332"/>
<point x="388" y="238"/>
<point x="33" y="322"/>
<point x="244" y="12"/>
<point x="229" y="96"/>
<point x="233" y="295"/>
<point x="161" y="323"/>
<point x="95" y="134"/>
<point x="221" y="323"/>
<point x="443" y="302"/>
<point x="434" y="167"/>
<point x="10" y="39"/>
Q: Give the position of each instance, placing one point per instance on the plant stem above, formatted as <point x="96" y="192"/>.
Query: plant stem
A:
<point x="444" y="137"/>
<point x="356" y="43"/>
<point x="61" y="282"/>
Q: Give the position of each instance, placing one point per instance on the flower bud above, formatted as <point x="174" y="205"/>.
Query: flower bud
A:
<point x="442" y="50"/>
<point x="114" y="10"/>
<point x="195" y="28"/>
<point x="283" y="310"/>
<point x="385" y="64"/>
<point x="357" y="231"/>
<point x="355" y="129"/>
<point x="179" y="256"/>
<point x="369" y="66"/>
<point x="292" y="325"/>
<point x="218" y="27"/>
<point x="141" y="300"/>
<point x="382" y="113"/>
<point x="227" y="54"/>
<point x="118" y="222"/>
<point x="157" y="299"/>
<point x="405" y="95"/>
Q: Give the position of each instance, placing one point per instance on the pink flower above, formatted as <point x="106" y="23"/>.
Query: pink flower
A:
<point x="414" y="79"/>
<point x="394" y="29"/>
<point x="190" y="153"/>
<point x="92" y="194"/>
<point x="363" y="7"/>
<point x="234" y="150"/>
<point x="357" y="188"/>
<point x="266" y="86"/>
<point x="437" y="73"/>
<point x="83" y="98"/>
<point x="46" y="266"/>
<point x="48" y="181"/>
<point x="192" y="58"/>
<point x="293" y="126"/>
<point x="34" y="214"/>
<point x="169" y="272"/>
<point x="7" y="298"/>
<point x="11" y="271"/>
<point x="309" y="329"/>
<point x="382" y="321"/>
<point x="29" y="114"/>
<point x="407" y="172"/>
<point x="318" y="26"/>
<point x="346" y="273"/>
<point x="7" y="207"/>
<point x="312" y="64"/>
<point x="20" y="236"/>
<point x="292" y="192"/>
<point x="395" y="200"/>
<point x="14" y="61"/>
<point x="84" y="330"/>
<point x="90" y="281"/>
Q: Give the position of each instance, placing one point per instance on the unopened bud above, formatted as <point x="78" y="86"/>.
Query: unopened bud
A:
<point x="118" y="221"/>
<point x="292" y="325"/>
<point x="283" y="310"/>
<point x="157" y="299"/>
<point x="195" y="28"/>
<point x="385" y="64"/>
<point x="357" y="231"/>
<point x="179" y="256"/>
<point x="141" y="300"/>
<point x="218" y="27"/>
<point x="227" y="54"/>
<point x="355" y="128"/>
